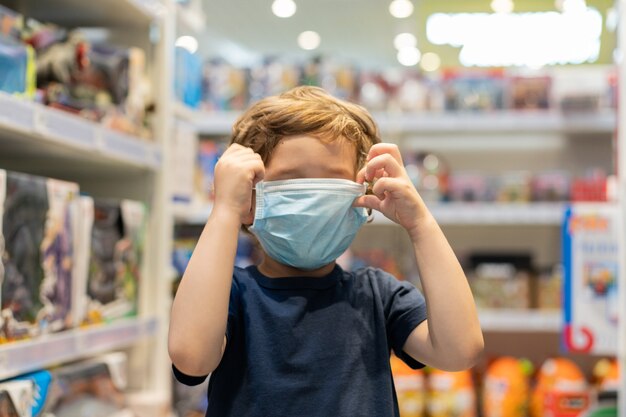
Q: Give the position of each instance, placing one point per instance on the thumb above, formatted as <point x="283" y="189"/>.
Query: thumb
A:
<point x="367" y="201"/>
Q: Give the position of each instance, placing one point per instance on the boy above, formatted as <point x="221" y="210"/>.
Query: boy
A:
<point x="297" y="335"/>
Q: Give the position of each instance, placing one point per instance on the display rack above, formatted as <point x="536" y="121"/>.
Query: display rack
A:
<point x="31" y="130"/>
<point x="26" y="356"/>
<point x="134" y="14"/>
<point x="504" y="320"/>
<point x="41" y="140"/>
<point x="604" y="122"/>
<point x="445" y="213"/>
<point x="190" y="18"/>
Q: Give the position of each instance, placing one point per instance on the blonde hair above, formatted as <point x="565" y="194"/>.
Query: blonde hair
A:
<point x="305" y="111"/>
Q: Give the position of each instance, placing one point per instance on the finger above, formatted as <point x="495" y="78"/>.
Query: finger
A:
<point x="360" y="176"/>
<point x="385" y="148"/>
<point x="258" y="169"/>
<point x="367" y="201"/>
<point x="384" y="163"/>
<point x="385" y="186"/>
<point x="236" y="148"/>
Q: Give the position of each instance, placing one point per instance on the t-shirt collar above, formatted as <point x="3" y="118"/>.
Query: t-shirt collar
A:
<point x="296" y="283"/>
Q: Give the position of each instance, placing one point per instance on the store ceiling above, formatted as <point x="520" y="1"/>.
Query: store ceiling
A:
<point x="357" y="31"/>
<point x="360" y="31"/>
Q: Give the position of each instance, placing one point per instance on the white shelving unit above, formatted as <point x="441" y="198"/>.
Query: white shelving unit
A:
<point x="446" y="123"/>
<point x="491" y="214"/>
<point x="190" y="19"/>
<point x="49" y="350"/>
<point x="32" y="130"/>
<point x="445" y="214"/>
<point x="105" y="163"/>
<point x="520" y="320"/>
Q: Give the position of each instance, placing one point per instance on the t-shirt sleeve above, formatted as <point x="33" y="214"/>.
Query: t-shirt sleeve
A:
<point x="405" y="309"/>
<point x="233" y="308"/>
<point x="187" y="379"/>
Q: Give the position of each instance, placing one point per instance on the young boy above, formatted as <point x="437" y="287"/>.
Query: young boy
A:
<point x="297" y="335"/>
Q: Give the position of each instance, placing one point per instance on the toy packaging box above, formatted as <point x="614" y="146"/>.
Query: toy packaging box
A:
<point x="117" y="240"/>
<point x="500" y="280"/>
<point x="39" y="230"/>
<point x="16" y="398"/>
<point x="92" y="388"/>
<point x="591" y="267"/>
<point x="17" y="59"/>
<point x="410" y="388"/>
<point x="506" y="389"/>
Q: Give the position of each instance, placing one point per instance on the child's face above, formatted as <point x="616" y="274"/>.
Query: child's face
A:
<point x="309" y="157"/>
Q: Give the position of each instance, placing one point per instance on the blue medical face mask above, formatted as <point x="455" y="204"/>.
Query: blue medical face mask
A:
<point x="307" y="223"/>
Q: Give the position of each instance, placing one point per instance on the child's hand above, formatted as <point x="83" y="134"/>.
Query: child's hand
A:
<point x="393" y="192"/>
<point x="236" y="173"/>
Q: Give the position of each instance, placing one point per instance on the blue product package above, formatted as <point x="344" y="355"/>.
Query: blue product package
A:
<point x="13" y="66"/>
<point x="41" y="381"/>
<point x="188" y="78"/>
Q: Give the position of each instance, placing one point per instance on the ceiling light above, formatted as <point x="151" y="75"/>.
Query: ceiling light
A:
<point x="404" y="40"/>
<point x="309" y="40"/>
<point x="502" y="6"/>
<point x="409" y="56"/>
<point x="401" y="8"/>
<point x="430" y="62"/>
<point x="284" y="8"/>
<point x="187" y="42"/>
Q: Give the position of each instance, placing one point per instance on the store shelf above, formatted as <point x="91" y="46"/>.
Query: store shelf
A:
<point x="26" y="356"/>
<point x="603" y="122"/>
<point x="192" y="214"/>
<point x="520" y="320"/>
<point x="32" y="132"/>
<point x="189" y="19"/>
<point x="446" y="214"/>
<point x="491" y="214"/>
<point x="110" y="13"/>
<point x="462" y="123"/>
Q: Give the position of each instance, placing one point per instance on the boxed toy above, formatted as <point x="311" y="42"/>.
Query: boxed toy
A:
<point x="451" y="394"/>
<point x="39" y="229"/>
<point x="506" y="389"/>
<point x="470" y="186"/>
<point x="16" y="398"/>
<point x="99" y="81"/>
<point x="17" y="59"/>
<point x="188" y="78"/>
<point x="480" y="90"/>
<point x="550" y="186"/>
<point x="227" y="88"/>
<point x="209" y="152"/>
<point x="530" y="93"/>
<point x="41" y="382"/>
<point x="91" y="388"/>
<point x="500" y="280"/>
<point x="550" y="288"/>
<point x="561" y="390"/>
<point x="116" y="253"/>
<point x="410" y="388"/>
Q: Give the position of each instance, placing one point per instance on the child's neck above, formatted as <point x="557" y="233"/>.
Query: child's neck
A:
<point x="272" y="269"/>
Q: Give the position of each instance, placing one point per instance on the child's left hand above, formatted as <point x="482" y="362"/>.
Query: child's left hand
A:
<point x="393" y="192"/>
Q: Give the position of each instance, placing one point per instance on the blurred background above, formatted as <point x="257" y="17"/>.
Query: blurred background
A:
<point x="113" y="115"/>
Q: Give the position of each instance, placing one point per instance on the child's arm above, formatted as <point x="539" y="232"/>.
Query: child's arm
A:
<point x="451" y="338"/>
<point x="200" y="309"/>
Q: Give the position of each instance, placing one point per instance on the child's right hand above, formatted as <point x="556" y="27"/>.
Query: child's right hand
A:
<point x="236" y="174"/>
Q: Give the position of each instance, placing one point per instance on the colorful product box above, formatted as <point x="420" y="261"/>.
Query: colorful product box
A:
<point x="39" y="230"/>
<point x="16" y="398"/>
<point x="117" y="241"/>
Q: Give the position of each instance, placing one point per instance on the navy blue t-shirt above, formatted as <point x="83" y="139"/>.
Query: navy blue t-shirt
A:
<point x="312" y="346"/>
